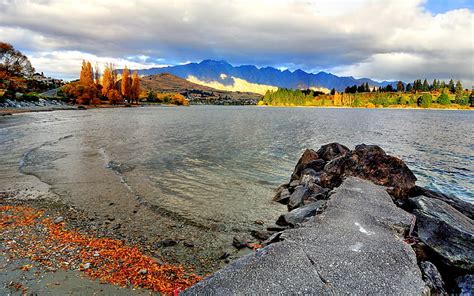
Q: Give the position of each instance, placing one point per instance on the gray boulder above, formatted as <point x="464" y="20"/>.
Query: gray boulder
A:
<point x="445" y="230"/>
<point x="432" y="278"/>
<point x="297" y="197"/>
<point x="300" y="215"/>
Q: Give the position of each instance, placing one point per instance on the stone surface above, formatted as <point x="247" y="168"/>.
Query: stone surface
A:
<point x="466" y="285"/>
<point x="351" y="248"/>
<point x="370" y="162"/>
<point x="333" y="150"/>
<point x="300" y="215"/>
<point x="282" y="195"/>
<point x="308" y="156"/>
<point x="432" y="278"/>
<point x="297" y="197"/>
<point x="445" y="230"/>
<point x="464" y="207"/>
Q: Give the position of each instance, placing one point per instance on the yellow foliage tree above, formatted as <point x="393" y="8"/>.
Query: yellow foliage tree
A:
<point x="135" y="91"/>
<point x="107" y="80"/>
<point x="126" y="85"/>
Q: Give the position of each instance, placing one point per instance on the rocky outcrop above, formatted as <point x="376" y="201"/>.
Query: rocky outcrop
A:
<point x="347" y="235"/>
<point x="370" y="162"/>
<point x="467" y="209"/>
<point x="445" y="230"/>
<point x="350" y="248"/>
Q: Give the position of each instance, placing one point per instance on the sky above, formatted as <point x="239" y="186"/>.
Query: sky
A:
<point x="378" y="39"/>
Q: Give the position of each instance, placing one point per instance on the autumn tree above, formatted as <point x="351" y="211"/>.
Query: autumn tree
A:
<point x="135" y="91"/>
<point x="87" y="75"/>
<point x="126" y="85"/>
<point x="107" y="80"/>
<point x="13" y="62"/>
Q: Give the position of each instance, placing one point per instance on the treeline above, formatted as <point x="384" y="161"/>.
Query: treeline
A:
<point x="417" y="86"/>
<point x="285" y="96"/>
<point x="288" y="97"/>
<point x="167" y="98"/>
<point x="94" y="89"/>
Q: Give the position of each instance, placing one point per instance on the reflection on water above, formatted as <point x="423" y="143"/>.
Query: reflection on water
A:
<point x="219" y="165"/>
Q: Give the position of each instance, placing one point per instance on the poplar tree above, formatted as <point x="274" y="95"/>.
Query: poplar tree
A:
<point x="126" y="83"/>
<point x="135" y="92"/>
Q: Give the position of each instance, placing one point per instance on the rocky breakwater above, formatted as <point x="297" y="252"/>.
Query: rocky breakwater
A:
<point x="356" y="223"/>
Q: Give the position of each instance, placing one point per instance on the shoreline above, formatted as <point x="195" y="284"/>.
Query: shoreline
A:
<point x="12" y="111"/>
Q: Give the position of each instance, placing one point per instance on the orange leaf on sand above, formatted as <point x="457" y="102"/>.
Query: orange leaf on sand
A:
<point x="106" y="259"/>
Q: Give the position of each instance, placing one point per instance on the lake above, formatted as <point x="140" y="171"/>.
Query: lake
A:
<point x="217" y="166"/>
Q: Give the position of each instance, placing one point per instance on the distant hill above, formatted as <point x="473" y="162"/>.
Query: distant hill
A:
<point x="221" y="73"/>
<point x="195" y="93"/>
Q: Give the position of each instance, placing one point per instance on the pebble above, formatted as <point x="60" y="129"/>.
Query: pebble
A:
<point x="58" y="220"/>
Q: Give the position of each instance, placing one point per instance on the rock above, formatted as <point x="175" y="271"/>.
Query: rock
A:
<point x="239" y="243"/>
<point x="282" y="196"/>
<point x="351" y="248"/>
<point x="188" y="244"/>
<point x="333" y="150"/>
<point x="294" y="183"/>
<point x="300" y="215"/>
<point x="143" y="271"/>
<point x="370" y="162"/>
<point x="464" y="207"/>
<point x="261" y="235"/>
<point x="224" y="255"/>
<point x="308" y="156"/>
<point x="58" y="220"/>
<point x="466" y="285"/>
<point x="277" y="237"/>
<point x="259" y="222"/>
<point x="297" y="197"/>
<point x="432" y="279"/>
<point x="445" y="230"/>
<point x="85" y="266"/>
<point x="167" y="243"/>
<point x="277" y="228"/>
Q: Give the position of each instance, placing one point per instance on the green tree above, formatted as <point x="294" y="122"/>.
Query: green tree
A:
<point x="425" y="101"/>
<point x="426" y="86"/>
<point x="471" y="99"/>
<point x="443" y="99"/>
<point x="409" y="87"/>
<point x="400" y="86"/>
<point x="451" y="87"/>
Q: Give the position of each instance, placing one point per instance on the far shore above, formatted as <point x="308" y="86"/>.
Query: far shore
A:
<point x="11" y="111"/>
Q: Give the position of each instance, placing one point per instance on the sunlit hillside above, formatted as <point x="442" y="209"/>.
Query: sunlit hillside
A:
<point x="238" y="85"/>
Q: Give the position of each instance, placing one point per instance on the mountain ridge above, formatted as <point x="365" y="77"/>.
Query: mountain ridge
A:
<point x="211" y="71"/>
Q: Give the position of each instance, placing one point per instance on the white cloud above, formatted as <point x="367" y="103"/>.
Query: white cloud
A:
<point x="67" y="64"/>
<point x="371" y="38"/>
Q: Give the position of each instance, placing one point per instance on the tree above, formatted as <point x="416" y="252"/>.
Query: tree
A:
<point x="400" y="86"/>
<point x="443" y="99"/>
<point x="425" y="101"/>
<point x="87" y="76"/>
<point x="333" y="91"/>
<point x="409" y="87"/>
<point x="126" y="85"/>
<point x="458" y="88"/>
<point x="471" y="99"/>
<point x="114" y="97"/>
<point x="426" y="86"/>
<point x="451" y="87"/>
<point x="135" y="91"/>
<point x="13" y="62"/>
<point x="107" y="80"/>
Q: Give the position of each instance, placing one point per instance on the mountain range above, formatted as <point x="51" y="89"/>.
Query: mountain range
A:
<point x="222" y="75"/>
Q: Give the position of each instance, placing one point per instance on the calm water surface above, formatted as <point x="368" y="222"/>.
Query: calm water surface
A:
<point x="219" y="165"/>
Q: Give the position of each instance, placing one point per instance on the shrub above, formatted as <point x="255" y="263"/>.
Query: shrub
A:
<point x="425" y="101"/>
<point x="443" y="99"/>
